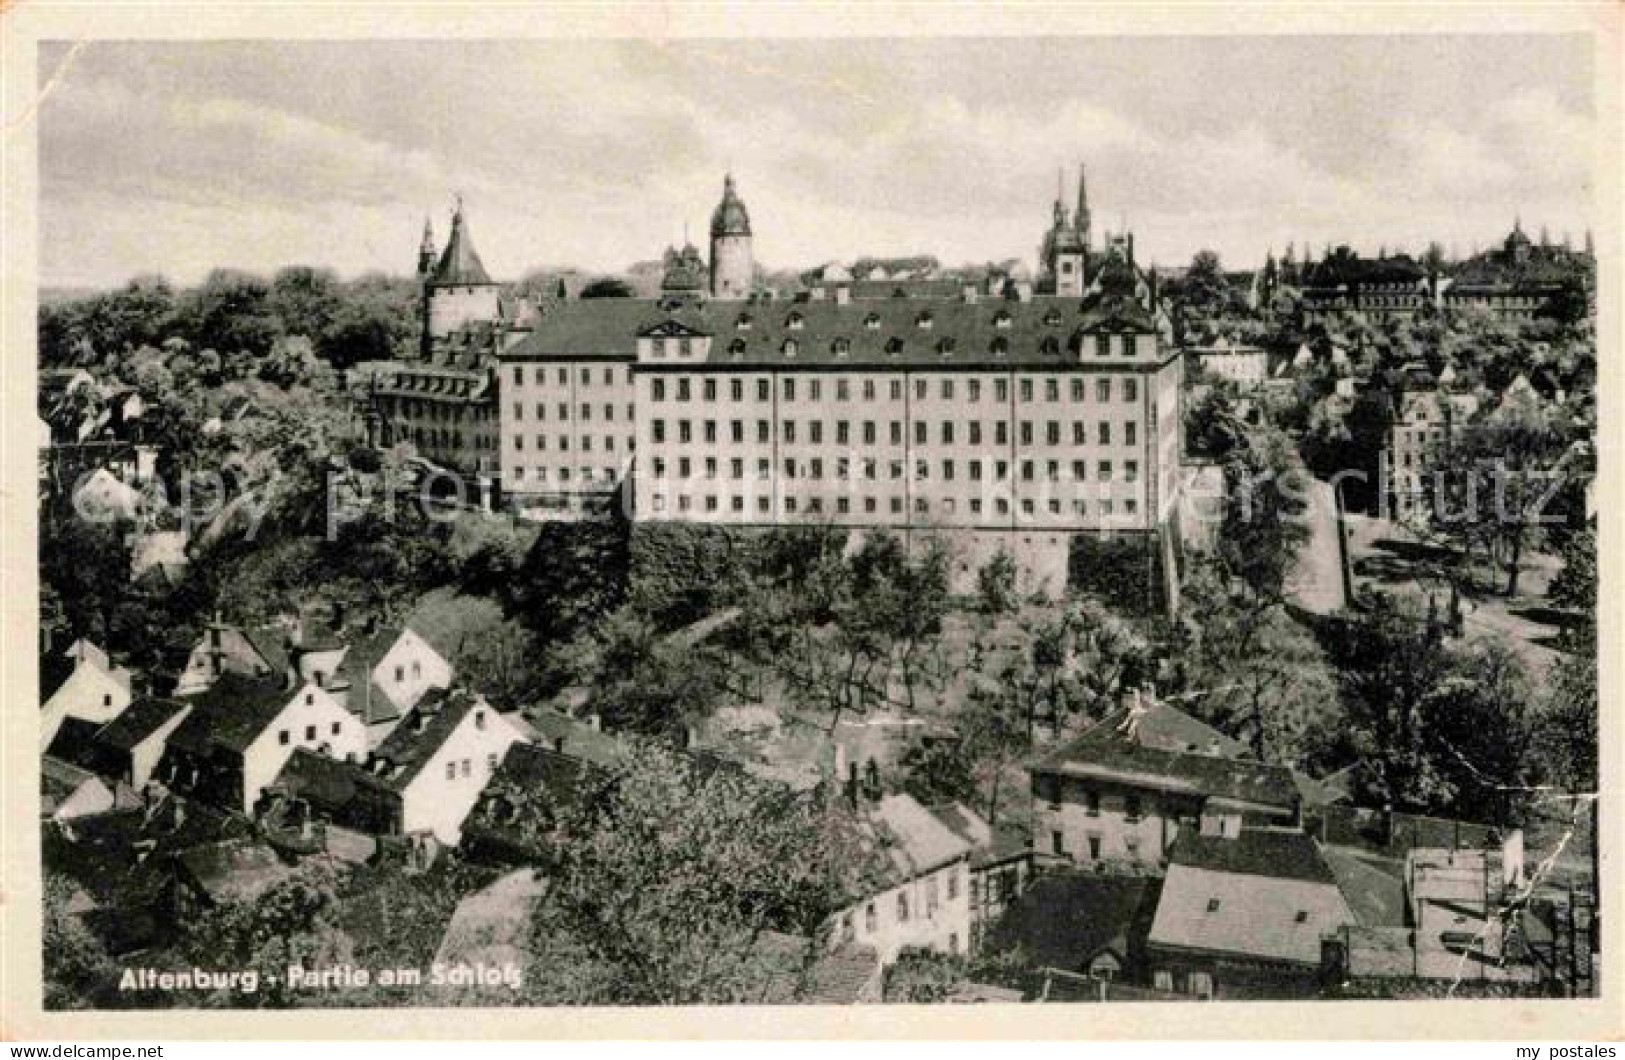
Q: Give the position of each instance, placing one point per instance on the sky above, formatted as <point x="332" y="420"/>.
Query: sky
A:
<point x="178" y="157"/>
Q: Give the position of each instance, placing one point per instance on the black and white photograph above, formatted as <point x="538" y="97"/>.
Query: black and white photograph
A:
<point x="1028" y="520"/>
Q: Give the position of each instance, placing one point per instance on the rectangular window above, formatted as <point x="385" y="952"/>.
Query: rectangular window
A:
<point x="975" y="432"/>
<point x="1052" y="433"/>
<point x="763" y="390"/>
<point x="1052" y="390"/>
<point x="868" y="390"/>
<point x="1104" y="434"/>
<point x="682" y="388"/>
<point x="973" y="390"/>
<point x="1001" y="390"/>
<point x="1001" y="433"/>
<point x="708" y="391"/>
<point x="1077" y="389"/>
<point x="947" y="390"/>
<point x="868" y="432"/>
<point x="896" y="432"/>
<point x="947" y="432"/>
<point x="1026" y="391"/>
<point x="1103" y="389"/>
<point x="1103" y="471"/>
<point x="815" y="390"/>
<point x="789" y="389"/>
<point x="1131" y="471"/>
<point x="843" y="390"/>
<point x="1057" y="841"/>
<point x="451" y="770"/>
<point x="815" y="431"/>
<point x="1131" y="390"/>
<point x="1026" y="432"/>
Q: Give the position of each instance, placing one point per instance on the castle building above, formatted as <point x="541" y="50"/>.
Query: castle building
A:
<point x="1523" y="278"/>
<point x="1012" y="421"/>
<point x="456" y="289"/>
<point x="733" y="268"/>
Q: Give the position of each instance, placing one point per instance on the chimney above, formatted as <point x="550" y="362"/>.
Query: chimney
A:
<point x="595" y="721"/>
<point x="691" y="738"/>
<point x="970" y="294"/>
<point x="1024" y="291"/>
<point x="843" y="295"/>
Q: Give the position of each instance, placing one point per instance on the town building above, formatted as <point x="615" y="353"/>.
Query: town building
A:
<point x="241" y="732"/>
<point x="1523" y="279"/>
<point x="1241" y="916"/>
<point x="423" y="780"/>
<point x="1122" y="793"/>
<point x="1001" y="863"/>
<point x="1245" y="366"/>
<point x="1426" y="420"/>
<point x="81" y="682"/>
<point x="129" y="748"/>
<point x="922" y="897"/>
<point x="1086" y="923"/>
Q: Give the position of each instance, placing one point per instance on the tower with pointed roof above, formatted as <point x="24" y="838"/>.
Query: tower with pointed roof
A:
<point x="1064" y="256"/>
<point x="457" y="290"/>
<point x="733" y="266"/>
<point x="426" y="251"/>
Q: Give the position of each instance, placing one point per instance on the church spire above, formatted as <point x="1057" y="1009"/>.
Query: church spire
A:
<point x="1081" y="218"/>
<point x="426" y="249"/>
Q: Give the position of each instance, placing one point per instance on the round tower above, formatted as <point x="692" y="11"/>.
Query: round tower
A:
<point x="732" y="265"/>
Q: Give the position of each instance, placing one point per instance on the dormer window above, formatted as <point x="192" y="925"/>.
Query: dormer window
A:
<point x="840" y="347"/>
<point x="744" y="322"/>
<point x="657" y="346"/>
<point x="736" y="349"/>
<point x="1052" y="319"/>
<point x="894" y="347"/>
<point x="871" y="322"/>
<point x="795" y="322"/>
<point x="1049" y="347"/>
<point x="1000" y="346"/>
<point x="945" y="347"/>
<point x="923" y="321"/>
<point x="789" y="348"/>
<point x="1001" y="320"/>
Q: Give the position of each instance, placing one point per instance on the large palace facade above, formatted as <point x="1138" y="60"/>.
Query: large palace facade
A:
<point x="1008" y="417"/>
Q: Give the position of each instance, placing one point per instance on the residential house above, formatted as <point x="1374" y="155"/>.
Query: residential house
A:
<point x="1120" y="794"/>
<point x="1087" y="923"/>
<point x="67" y="792"/>
<point x="1242" y="916"/>
<point x="225" y="648"/>
<point x="425" y="777"/>
<point x="133" y="743"/>
<point x="1426" y="422"/>
<point x="920" y="897"/>
<point x="523" y="808"/>
<point x="242" y="731"/>
<point x="81" y="682"/>
<point x="1001" y="862"/>
<point x="383" y="673"/>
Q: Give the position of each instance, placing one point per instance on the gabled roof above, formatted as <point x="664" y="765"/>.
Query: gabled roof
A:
<point x="54" y="671"/>
<point x="1264" y="894"/>
<point x="912" y="839"/>
<point x="990" y="844"/>
<point x="143" y="717"/>
<point x="1376" y="897"/>
<point x="576" y="739"/>
<point x="75" y="743"/>
<point x="1064" y="920"/>
<point x="366" y="700"/>
<point x="1111" y="752"/>
<point x="421" y="732"/>
<point x="271" y="642"/>
<point x="233" y="712"/>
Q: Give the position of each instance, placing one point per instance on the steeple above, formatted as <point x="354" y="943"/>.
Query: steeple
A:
<point x="1081" y="217"/>
<point x="459" y="265"/>
<point x="1060" y="198"/>
<point x="426" y="250"/>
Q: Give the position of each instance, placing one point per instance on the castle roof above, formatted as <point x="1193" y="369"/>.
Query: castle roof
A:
<point x="459" y="264"/>
<point x="730" y="218"/>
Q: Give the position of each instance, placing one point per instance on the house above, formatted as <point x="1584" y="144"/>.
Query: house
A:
<point x="241" y="732"/>
<point x="920" y="896"/>
<point x="383" y="673"/>
<point x="132" y="744"/>
<point x="1242" y="916"/>
<point x="525" y="805"/>
<point x="424" y="779"/>
<point x="224" y="648"/>
<point x="1086" y="923"/>
<point x="1001" y="862"/>
<point x="1121" y="793"/>
<point x="66" y="792"/>
<point x="1427" y="421"/>
<point x="102" y="498"/>
<point x="81" y="682"/>
<point x="1246" y="366"/>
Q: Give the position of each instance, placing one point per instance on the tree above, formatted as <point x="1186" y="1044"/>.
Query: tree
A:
<point x="293" y="922"/>
<point x="79" y="973"/>
<point x="305" y="300"/>
<point x="938" y="771"/>
<point x="674" y="874"/>
<point x="923" y="977"/>
<point x="1494" y="482"/>
<point x="996" y="583"/>
<point x="231" y="312"/>
<point x="1263" y="528"/>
